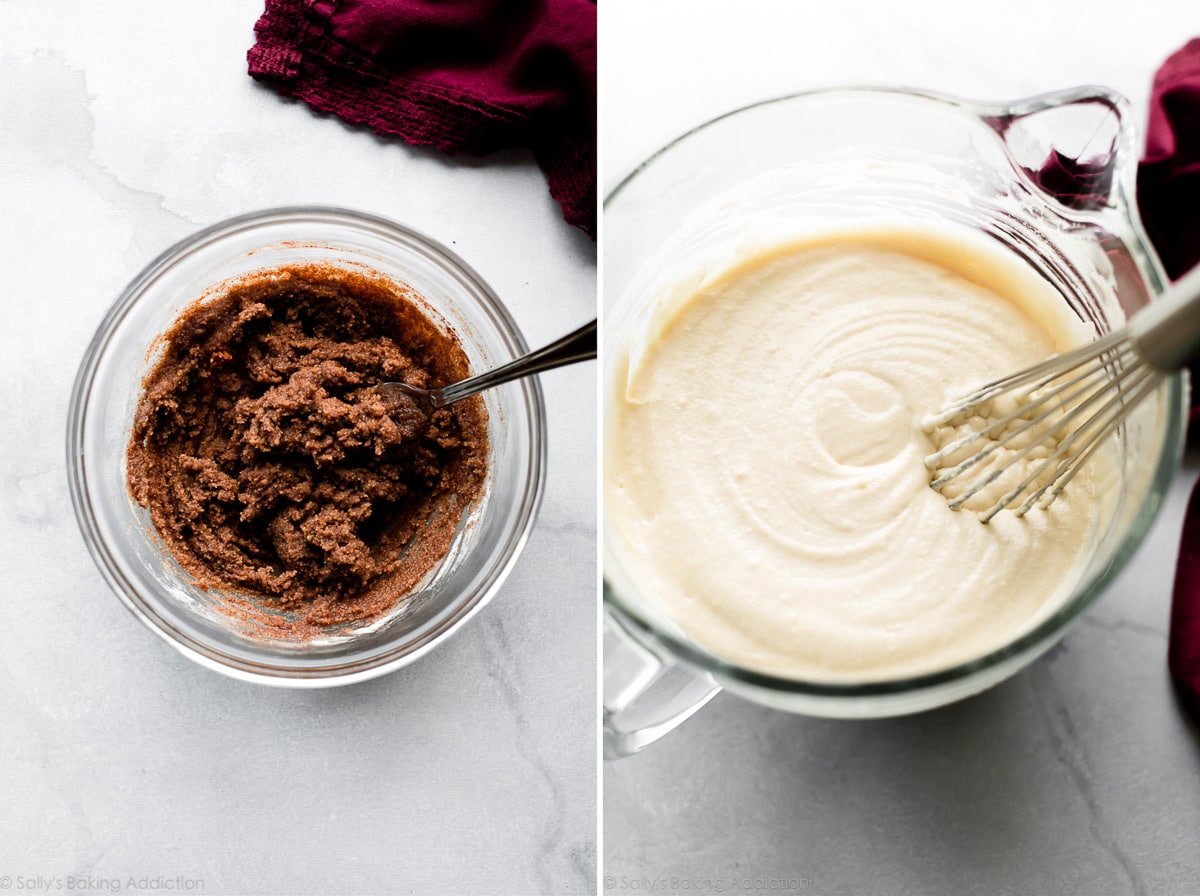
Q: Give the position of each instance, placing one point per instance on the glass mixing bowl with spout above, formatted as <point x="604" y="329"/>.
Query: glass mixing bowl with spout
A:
<point x="824" y="158"/>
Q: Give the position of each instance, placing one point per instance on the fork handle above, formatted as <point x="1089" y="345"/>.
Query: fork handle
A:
<point x="574" y="347"/>
<point x="1167" y="333"/>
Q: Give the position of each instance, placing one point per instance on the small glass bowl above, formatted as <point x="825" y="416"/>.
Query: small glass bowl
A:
<point x="121" y="537"/>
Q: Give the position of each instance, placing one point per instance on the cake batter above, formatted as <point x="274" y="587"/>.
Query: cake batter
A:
<point x="765" y="476"/>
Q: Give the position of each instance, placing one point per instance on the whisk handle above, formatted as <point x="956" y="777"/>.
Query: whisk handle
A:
<point x="1167" y="332"/>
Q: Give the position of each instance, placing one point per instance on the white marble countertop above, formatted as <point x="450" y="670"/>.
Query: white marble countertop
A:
<point x="1078" y="776"/>
<point x="125" y="126"/>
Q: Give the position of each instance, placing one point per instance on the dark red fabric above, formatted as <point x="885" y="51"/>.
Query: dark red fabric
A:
<point x="468" y="76"/>
<point x="1080" y="185"/>
<point x="1183" y="645"/>
<point x="1169" y="176"/>
<point x="1169" y="199"/>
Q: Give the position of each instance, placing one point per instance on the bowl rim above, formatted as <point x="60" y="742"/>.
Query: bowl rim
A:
<point x="264" y="672"/>
<point x="644" y="630"/>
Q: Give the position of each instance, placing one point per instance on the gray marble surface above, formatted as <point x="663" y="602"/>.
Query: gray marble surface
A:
<point x="127" y="125"/>
<point x="1078" y="776"/>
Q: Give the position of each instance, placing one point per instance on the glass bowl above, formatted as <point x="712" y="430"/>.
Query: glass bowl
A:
<point x="841" y="157"/>
<point x="121" y="538"/>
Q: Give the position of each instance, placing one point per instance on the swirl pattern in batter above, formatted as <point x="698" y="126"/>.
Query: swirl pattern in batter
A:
<point x="765" y="477"/>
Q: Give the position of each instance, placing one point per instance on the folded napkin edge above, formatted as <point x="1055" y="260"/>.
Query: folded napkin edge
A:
<point x="295" y="55"/>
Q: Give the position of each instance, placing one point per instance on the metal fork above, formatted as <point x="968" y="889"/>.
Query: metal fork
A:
<point x="574" y="347"/>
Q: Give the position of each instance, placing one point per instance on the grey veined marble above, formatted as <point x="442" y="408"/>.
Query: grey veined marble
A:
<point x="125" y="128"/>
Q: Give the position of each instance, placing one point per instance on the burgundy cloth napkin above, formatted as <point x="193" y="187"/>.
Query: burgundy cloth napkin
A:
<point x="1169" y="199"/>
<point x="1183" y="646"/>
<point x="1169" y="176"/>
<point x="468" y="76"/>
<point x="1074" y="182"/>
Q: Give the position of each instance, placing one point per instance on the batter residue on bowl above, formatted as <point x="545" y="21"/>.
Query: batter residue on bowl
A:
<point x="269" y="465"/>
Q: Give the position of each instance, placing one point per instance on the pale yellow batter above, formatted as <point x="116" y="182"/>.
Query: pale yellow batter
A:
<point x="765" y="476"/>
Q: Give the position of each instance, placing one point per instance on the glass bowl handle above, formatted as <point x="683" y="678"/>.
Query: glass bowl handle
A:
<point x="1077" y="147"/>
<point x="645" y="696"/>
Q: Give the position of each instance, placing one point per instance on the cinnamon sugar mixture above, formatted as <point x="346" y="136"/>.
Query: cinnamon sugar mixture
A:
<point x="270" y="466"/>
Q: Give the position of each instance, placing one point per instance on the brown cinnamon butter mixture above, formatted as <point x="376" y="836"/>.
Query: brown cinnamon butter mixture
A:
<point x="271" y="467"/>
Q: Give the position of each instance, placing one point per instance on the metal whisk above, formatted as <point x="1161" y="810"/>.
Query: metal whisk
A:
<point x="1019" y="440"/>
